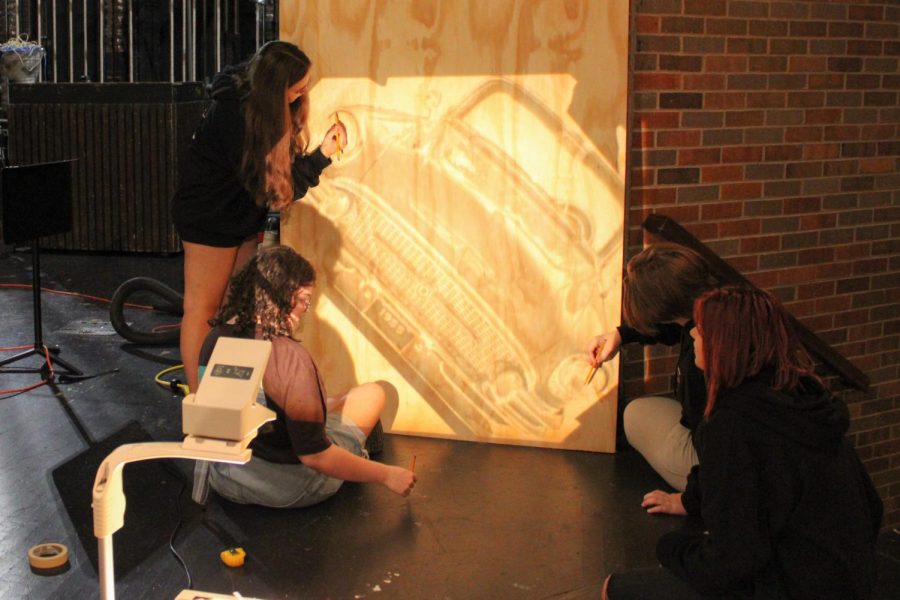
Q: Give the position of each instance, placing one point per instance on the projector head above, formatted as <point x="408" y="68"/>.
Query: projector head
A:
<point x="225" y="407"/>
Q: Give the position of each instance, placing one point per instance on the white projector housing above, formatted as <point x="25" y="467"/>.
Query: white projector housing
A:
<point x="225" y="407"/>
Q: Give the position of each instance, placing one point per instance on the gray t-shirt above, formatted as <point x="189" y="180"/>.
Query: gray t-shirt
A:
<point x="294" y="390"/>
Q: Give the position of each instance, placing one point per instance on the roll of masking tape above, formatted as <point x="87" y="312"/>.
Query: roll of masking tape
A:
<point x="48" y="559"/>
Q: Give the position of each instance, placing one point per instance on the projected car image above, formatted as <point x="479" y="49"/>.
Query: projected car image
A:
<point x="467" y="271"/>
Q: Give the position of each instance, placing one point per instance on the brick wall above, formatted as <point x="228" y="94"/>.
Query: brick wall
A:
<point x="770" y="131"/>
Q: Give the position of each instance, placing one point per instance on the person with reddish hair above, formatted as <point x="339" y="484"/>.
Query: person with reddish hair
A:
<point x="317" y="440"/>
<point x="780" y="505"/>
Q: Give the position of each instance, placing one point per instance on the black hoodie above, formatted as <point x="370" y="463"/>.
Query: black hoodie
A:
<point x="688" y="383"/>
<point x="211" y="205"/>
<point x="788" y="508"/>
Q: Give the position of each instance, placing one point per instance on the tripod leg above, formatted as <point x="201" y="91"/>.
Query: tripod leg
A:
<point x="20" y="356"/>
<point x="57" y="361"/>
<point x="38" y="347"/>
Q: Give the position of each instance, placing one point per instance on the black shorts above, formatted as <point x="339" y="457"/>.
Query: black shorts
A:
<point x="215" y="239"/>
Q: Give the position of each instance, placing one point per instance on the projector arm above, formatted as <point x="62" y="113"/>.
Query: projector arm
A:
<point x="219" y="421"/>
<point x="109" y="497"/>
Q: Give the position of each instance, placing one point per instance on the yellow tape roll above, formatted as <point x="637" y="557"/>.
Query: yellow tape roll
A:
<point x="44" y="558"/>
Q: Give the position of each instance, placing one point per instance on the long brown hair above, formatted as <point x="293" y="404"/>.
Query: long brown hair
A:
<point x="745" y="330"/>
<point x="262" y="292"/>
<point x="275" y="131"/>
<point x="660" y="285"/>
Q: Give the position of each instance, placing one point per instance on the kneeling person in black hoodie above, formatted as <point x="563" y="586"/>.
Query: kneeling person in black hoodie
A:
<point x="785" y="506"/>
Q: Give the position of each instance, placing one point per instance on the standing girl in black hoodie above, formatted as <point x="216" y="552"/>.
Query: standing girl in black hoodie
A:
<point x="248" y="156"/>
<point x="784" y="507"/>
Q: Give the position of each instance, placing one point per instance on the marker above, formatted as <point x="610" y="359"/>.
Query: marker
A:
<point x="593" y="370"/>
<point x="337" y="139"/>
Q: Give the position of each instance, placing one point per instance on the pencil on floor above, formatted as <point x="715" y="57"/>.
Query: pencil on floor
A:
<point x="412" y="465"/>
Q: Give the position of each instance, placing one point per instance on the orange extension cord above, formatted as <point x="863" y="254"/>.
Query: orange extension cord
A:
<point x="9" y="393"/>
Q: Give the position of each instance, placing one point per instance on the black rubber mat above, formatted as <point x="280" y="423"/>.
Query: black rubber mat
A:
<point x="152" y="495"/>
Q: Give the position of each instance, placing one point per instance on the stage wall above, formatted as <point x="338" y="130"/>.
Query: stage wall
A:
<point x="469" y="241"/>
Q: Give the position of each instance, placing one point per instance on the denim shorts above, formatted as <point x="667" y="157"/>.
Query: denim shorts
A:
<point x="282" y="485"/>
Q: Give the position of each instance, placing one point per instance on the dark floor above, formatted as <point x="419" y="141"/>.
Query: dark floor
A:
<point x="485" y="521"/>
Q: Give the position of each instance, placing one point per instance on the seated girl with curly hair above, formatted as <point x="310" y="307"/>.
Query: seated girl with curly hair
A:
<point x="317" y="441"/>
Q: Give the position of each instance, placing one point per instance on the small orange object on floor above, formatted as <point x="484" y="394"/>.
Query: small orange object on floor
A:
<point x="233" y="557"/>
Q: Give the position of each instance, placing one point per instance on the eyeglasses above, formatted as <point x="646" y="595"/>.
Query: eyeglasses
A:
<point x="303" y="300"/>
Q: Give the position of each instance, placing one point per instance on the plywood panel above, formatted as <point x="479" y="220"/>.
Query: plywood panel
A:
<point x="469" y="241"/>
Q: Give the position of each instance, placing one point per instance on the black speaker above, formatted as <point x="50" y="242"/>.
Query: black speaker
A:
<point x="37" y="200"/>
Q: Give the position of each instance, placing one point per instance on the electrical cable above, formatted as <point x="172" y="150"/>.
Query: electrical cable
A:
<point x="174" y="552"/>
<point x="73" y="378"/>
<point x="11" y="348"/>
<point x="75" y="294"/>
<point x="5" y="394"/>
<point x="61" y="378"/>
<point x="176" y="385"/>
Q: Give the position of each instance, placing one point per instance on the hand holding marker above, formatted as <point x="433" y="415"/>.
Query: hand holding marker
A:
<point x="337" y="137"/>
<point x="593" y="371"/>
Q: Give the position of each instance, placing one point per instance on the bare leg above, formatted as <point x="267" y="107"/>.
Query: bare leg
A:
<point x="206" y="273"/>
<point x="246" y="251"/>
<point x="603" y="593"/>
<point x="363" y="404"/>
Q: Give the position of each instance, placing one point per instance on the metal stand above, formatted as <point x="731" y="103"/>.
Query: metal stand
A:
<point x="38" y="348"/>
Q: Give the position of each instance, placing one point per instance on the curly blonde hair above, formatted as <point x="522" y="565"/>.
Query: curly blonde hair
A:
<point x="262" y="293"/>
